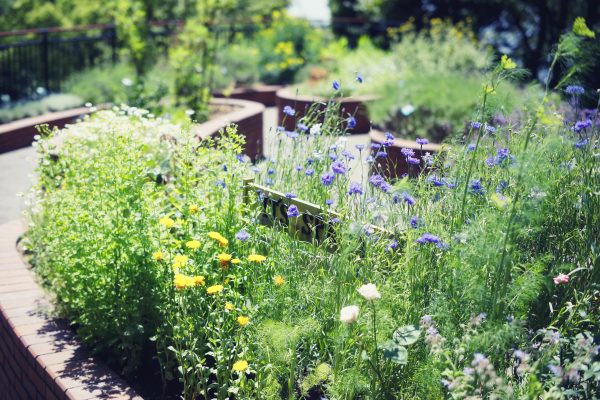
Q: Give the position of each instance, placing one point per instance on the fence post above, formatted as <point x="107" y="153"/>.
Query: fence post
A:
<point x="113" y="43"/>
<point x="45" y="60"/>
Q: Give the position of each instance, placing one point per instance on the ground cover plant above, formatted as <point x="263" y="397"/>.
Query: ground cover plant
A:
<point x="479" y="279"/>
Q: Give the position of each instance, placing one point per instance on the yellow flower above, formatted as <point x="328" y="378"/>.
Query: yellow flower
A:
<point x="488" y="89"/>
<point x="199" y="280"/>
<point x="242" y="320"/>
<point x="278" y="280"/>
<point x="256" y="258"/>
<point x="224" y="258"/>
<point x="193" y="209"/>
<point x="183" y="281"/>
<point x="166" y="222"/>
<point x="507" y="63"/>
<point x="219" y="238"/>
<point x="240" y="366"/>
<point x="180" y="261"/>
<point x="500" y="201"/>
<point x="580" y="28"/>
<point x="229" y="307"/>
<point x="214" y="289"/>
<point x="193" y="244"/>
<point x="157" y="255"/>
<point x="236" y="261"/>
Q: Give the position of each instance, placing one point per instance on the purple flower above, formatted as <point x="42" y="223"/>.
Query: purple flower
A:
<point x="428" y="238"/>
<point x="581" y="144"/>
<point x="256" y="170"/>
<point x="375" y="146"/>
<point x="359" y="78"/>
<point x="471" y="147"/>
<point x="490" y="129"/>
<point x="287" y="110"/>
<point x="351" y="122"/>
<point x="379" y="182"/>
<point x="574" y="90"/>
<point x="329" y="202"/>
<point x="389" y="136"/>
<point x="476" y="187"/>
<point x="415" y="222"/>
<point x="309" y="172"/>
<point x="436" y="181"/>
<point x="290" y="195"/>
<point x="242" y="236"/>
<point x="408" y="152"/>
<point x="369" y="159"/>
<point x="348" y="155"/>
<point x="355" y="188"/>
<point x="490" y="162"/>
<point x="426" y="321"/>
<point x="475" y="125"/>
<point x="408" y="199"/>
<point x="336" y="85"/>
<point x="582" y="125"/>
<point x="292" y="211"/>
<point x="338" y="167"/>
<point x="299" y="168"/>
<point x="335" y="220"/>
<point x="392" y="246"/>
<point x="332" y="156"/>
<point x="413" y="161"/>
<point x="422" y="141"/>
<point x="221" y="182"/>
<point x="327" y="178"/>
<point x="302" y="127"/>
<point x="292" y="134"/>
<point x="270" y="171"/>
<point x="359" y="147"/>
<point x="381" y="154"/>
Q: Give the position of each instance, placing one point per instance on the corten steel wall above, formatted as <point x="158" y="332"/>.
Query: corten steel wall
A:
<point x="40" y="359"/>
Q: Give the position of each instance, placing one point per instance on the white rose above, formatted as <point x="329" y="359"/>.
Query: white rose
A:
<point x="369" y="292"/>
<point x="349" y="315"/>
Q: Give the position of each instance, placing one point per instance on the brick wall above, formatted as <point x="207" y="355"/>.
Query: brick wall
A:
<point x="39" y="356"/>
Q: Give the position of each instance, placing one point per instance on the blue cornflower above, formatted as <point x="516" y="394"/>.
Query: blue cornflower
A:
<point x="290" y="195"/>
<point x="241" y="158"/>
<point x="413" y="161"/>
<point x="408" y="199"/>
<point x="395" y="198"/>
<point x="351" y="122"/>
<point x="436" y="181"/>
<point x="451" y="185"/>
<point x="310" y="161"/>
<point x="287" y="110"/>
<point x="490" y="128"/>
<point x="407" y="152"/>
<point x="574" y="90"/>
<point x="392" y="246"/>
<point x="335" y="220"/>
<point x="581" y="144"/>
<point x="348" y="155"/>
<point x="292" y="134"/>
<point x="224" y="167"/>
<point x="336" y="85"/>
<point x="581" y="125"/>
<point x="379" y="182"/>
<point x="381" y="154"/>
<point x="375" y="146"/>
<point x="270" y="171"/>
<point x="333" y="147"/>
<point x="370" y="200"/>
<point x="471" y="147"/>
<point x="490" y="161"/>
<point x="501" y="186"/>
<point x="476" y="187"/>
<point x="422" y="141"/>
<point x="359" y="78"/>
<point x="332" y="156"/>
<point x="329" y="202"/>
<point x="369" y="159"/>
<point x="475" y="124"/>
<point x="359" y="147"/>
<point x="338" y="167"/>
<point x="428" y="238"/>
<point x="280" y="129"/>
<point x="299" y="168"/>
<point x="302" y="127"/>
<point x="415" y="221"/>
<point x="388" y="143"/>
<point x="221" y="182"/>
<point x="256" y="170"/>
<point x="355" y="188"/>
<point x="327" y="178"/>
<point x="309" y="172"/>
<point x="292" y="211"/>
<point x="242" y="236"/>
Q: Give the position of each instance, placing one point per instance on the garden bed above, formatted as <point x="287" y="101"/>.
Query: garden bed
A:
<point x="263" y="94"/>
<point x="395" y="164"/>
<point x="355" y="106"/>
<point x="39" y="355"/>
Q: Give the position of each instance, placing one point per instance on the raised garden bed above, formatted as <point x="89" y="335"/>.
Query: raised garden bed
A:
<point x="355" y="106"/>
<point x="263" y="94"/>
<point x="395" y="165"/>
<point x="40" y="357"/>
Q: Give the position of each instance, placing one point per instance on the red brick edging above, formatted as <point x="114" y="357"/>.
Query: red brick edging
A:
<point x="39" y="355"/>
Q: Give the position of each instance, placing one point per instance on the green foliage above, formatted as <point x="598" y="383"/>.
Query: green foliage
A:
<point x="32" y="108"/>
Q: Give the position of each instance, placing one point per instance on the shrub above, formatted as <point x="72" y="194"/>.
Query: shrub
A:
<point x="32" y="108"/>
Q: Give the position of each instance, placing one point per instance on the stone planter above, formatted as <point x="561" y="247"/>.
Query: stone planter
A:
<point x="18" y="134"/>
<point x="40" y="357"/>
<point x="247" y="115"/>
<point x="263" y="94"/>
<point x="394" y="165"/>
<point x="350" y="105"/>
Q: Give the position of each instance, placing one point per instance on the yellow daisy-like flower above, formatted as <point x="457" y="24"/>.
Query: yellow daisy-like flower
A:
<point x="243" y="320"/>
<point x="224" y="258"/>
<point x="199" y="280"/>
<point x="158" y="255"/>
<point x="193" y="209"/>
<point x="229" y="307"/>
<point x="183" y="281"/>
<point x="219" y="238"/>
<point x="180" y="261"/>
<point x="166" y="222"/>
<point x="215" y="289"/>
<point x="240" y="366"/>
<point x="507" y="63"/>
<point x="236" y="261"/>
<point x="278" y="280"/>
<point x="193" y="244"/>
<point x="256" y="258"/>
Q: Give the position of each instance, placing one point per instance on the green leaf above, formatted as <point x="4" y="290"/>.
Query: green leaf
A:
<point x="395" y="353"/>
<point x="407" y="335"/>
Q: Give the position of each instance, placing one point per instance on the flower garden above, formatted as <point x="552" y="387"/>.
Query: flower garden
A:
<point x="455" y="258"/>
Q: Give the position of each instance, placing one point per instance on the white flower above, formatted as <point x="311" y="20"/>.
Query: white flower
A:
<point x="349" y="315"/>
<point x="369" y="292"/>
<point x="315" y="129"/>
